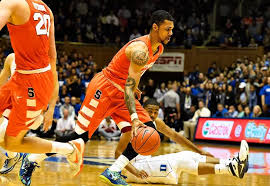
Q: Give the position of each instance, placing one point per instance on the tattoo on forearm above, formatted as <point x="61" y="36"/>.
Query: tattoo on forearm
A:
<point x="139" y="57"/>
<point x="129" y="95"/>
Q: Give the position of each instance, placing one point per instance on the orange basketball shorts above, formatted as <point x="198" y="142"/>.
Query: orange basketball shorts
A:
<point x="26" y="96"/>
<point x="104" y="99"/>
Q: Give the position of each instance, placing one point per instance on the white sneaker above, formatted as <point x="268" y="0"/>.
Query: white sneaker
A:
<point x="244" y="151"/>
<point x="239" y="164"/>
<point x="75" y="159"/>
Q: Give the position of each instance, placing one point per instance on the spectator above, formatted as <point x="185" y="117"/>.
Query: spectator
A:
<point x="187" y="100"/>
<point x="242" y="96"/>
<point x="265" y="93"/>
<point x="221" y="111"/>
<point x="75" y="102"/>
<point x="241" y="112"/>
<point x="189" y="114"/>
<point x="65" y="124"/>
<point x="160" y="114"/>
<point x="111" y="19"/>
<point x="252" y="43"/>
<point x="56" y="114"/>
<point x="247" y="113"/>
<point x="252" y="97"/>
<point x="108" y="129"/>
<point x="160" y="91"/>
<point x="63" y="93"/>
<point x="232" y="113"/>
<point x="74" y="86"/>
<point x="220" y="96"/>
<point x="201" y="92"/>
<point x="266" y="111"/>
<point x="257" y="111"/>
<point x="189" y="126"/>
<point x="69" y="107"/>
<point x="229" y="97"/>
<point x="171" y="102"/>
<point x="150" y="89"/>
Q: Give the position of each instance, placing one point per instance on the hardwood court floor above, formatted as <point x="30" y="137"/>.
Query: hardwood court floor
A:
<point x="98" y="156"/>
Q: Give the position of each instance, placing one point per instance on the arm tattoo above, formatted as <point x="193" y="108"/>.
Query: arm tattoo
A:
<point x="139" y="57"/>
<point x="129" y="95"/>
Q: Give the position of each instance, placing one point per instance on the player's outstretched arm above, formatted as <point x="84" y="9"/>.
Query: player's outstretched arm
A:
<point x="5" y="73"/>
<point x="176" y="137"/>
<point x="48" y="117"/>
<point x="137" y="53"/>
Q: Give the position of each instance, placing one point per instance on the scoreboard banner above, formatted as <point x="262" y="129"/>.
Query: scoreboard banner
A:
<point x="169" y="62"/>
<point x="232" y="129"/>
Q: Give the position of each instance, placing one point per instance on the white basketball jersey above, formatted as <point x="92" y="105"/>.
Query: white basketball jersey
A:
<point x="159" y="168"/>
<point x="12" y="67"/>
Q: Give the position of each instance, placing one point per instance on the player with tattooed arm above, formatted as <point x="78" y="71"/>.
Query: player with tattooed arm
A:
<point x="112" y="91"/>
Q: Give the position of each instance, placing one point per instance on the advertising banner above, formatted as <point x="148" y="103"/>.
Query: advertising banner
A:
<point x="232" y="129"/>
<point x="169" y="62"/>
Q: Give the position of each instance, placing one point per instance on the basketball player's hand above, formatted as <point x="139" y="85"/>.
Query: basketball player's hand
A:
<point x="136" y="124"/>
<point x="48" y="117"/>
<point x="141" y="174"/>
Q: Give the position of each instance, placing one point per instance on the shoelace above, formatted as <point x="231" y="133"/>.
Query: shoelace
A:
<point x="117" y="175"/>
<point x="8" y="160"/>
<point x="30" y="167"/>
<point x="6" y="163"/>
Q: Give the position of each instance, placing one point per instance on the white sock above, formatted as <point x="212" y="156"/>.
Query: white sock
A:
<point x="221" y="169"/>
<point x="202" y="159"/>
<point x="119" y="164"/>
<point x="62" y="148"/>
<point x="224" y="161"/>
<point x="2" y="151"/>
<point x="38" y="158"/>
<point x="11" y="154"/>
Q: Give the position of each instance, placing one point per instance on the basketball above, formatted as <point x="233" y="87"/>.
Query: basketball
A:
<point x="147" y="141"/>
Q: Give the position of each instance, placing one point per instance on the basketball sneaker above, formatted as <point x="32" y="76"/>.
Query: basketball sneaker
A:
<point x="239" y="164"/>
<point x="75" y="159"/>
<point x="26" y="170"/>
<point x="113" y="178"/>
<point x="10" y="163"/>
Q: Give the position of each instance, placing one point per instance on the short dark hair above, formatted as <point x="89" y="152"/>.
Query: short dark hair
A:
<point x="159" y="16"/>
<point x="151" y="101"/>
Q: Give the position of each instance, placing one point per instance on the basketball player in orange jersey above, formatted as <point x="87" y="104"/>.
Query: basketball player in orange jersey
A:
<point x="112" y="91"/>
<point x="12" y="157"/>
<point x="34" y="84"/>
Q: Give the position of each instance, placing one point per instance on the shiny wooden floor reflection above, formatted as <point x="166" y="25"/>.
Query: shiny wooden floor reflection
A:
<point x="98" y="156"/>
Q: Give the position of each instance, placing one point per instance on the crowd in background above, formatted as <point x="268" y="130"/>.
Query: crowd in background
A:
<point x="107" y="22"/>
<point x="250" y="30"/>
<point x="241" y="90"/>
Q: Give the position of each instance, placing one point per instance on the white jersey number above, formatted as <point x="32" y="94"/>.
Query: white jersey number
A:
<point x="44" y="24"/>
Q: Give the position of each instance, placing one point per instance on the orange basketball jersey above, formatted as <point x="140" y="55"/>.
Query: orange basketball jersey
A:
<point x="30" y="41"/>
<point x="117" y="70"/>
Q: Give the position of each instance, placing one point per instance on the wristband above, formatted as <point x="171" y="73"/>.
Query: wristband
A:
<point x="134" y="116"/>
